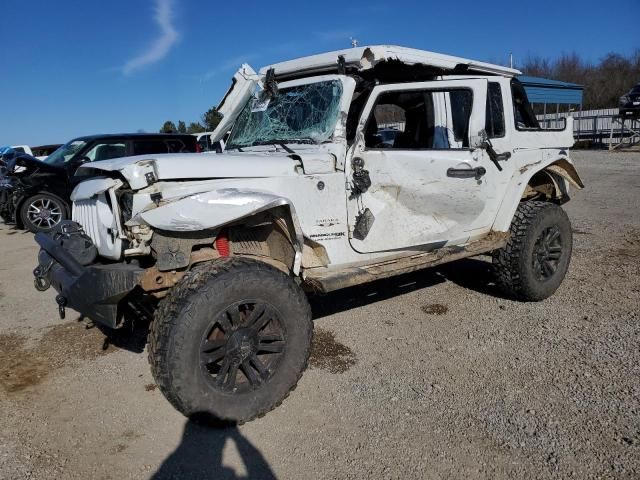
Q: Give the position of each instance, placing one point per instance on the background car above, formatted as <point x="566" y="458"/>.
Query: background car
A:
<point x="22" y="149"/>
<point x="630" y="103"/>
<point x="35" y="194"/>
<point x="43" y="151"/>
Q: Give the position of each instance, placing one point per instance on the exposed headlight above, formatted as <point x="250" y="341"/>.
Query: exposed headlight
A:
<point x="624" y="99"/>
<point x="5" y="182"/>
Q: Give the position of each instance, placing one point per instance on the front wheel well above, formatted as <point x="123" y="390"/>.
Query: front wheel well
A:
<point x="268" y="237"/>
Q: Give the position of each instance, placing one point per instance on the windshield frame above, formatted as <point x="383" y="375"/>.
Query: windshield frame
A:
<point x="339" y="130"/>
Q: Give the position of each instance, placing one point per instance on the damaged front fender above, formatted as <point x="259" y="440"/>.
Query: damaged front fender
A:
<point x="217" y="208"/>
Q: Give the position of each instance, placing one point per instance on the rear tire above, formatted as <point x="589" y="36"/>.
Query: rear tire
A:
<point x="535" y="260"/>
<point x="42" y="213"/>
<point x="215" y="356"/>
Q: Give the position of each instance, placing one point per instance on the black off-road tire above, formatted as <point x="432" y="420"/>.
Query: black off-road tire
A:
<point x="517" y="267"/>
<point x="183" y="319"/>
<point x="56" y="204"/>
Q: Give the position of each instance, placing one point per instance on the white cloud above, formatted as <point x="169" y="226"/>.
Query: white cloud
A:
<point x="163" y="16"/>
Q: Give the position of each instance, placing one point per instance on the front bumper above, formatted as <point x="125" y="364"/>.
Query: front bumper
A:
<point x="95" y="291"/>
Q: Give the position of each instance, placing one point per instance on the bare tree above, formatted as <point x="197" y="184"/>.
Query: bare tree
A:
<point x="603" y="82"/>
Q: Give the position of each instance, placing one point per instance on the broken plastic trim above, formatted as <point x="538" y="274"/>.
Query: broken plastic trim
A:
<point x="270" y="84"/>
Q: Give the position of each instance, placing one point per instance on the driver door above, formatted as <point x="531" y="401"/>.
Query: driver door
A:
<point x="428" y="186"/>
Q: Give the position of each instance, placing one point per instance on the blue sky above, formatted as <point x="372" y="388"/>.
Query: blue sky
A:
<point x="71" y="67"/>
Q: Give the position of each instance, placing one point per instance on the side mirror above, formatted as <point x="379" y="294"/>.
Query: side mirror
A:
<point x="480" y="140"/>
<point x="217" y="146"/>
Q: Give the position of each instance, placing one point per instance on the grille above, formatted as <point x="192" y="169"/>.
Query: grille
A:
<point x="85" y="212"/>
<point x="100" y="223"/>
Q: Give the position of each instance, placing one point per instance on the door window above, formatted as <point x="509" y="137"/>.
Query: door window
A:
<point x="106" y="151"/>
<point x="494" y="123"/>
<point x="418" y="120"/>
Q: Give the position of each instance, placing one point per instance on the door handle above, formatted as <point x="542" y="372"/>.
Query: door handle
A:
<point x="466" y="172"/>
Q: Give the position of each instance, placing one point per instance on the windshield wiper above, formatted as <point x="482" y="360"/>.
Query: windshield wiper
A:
<point x="234" y="147"/>
<point x="305" y="140"/>
<point x="280" y="143"/>
<point x="287" y="149"/>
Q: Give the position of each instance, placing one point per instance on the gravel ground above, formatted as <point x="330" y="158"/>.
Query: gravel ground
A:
<point x="429" y="375"/>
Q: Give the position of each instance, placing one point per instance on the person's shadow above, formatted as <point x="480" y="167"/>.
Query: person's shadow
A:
<point x="199" y="456"/>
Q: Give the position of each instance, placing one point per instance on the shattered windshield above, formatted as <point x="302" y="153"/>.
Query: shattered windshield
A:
<point x="302" y="114"/>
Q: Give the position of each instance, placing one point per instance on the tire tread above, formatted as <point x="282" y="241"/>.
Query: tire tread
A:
<point x="175" y="307"/>
<point x="506" y="261"/>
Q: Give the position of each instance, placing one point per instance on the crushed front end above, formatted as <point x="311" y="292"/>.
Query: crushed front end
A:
<point x="68" y="261"/>
<point x="81" y="258"/>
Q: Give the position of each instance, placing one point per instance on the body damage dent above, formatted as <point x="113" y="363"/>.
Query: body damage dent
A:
<point x="218" y="208"/>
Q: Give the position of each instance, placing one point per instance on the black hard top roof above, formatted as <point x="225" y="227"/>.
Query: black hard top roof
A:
<point x="134" y="136"/>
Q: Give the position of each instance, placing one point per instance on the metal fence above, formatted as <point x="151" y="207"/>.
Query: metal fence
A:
<point x="600" y="127"/>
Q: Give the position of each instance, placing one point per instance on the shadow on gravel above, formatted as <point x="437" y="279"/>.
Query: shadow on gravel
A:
<point x="199" y="455"/>
<point x="132" y="336"/>
<point x="368" y="293"/>
<point x="472" y="274"/>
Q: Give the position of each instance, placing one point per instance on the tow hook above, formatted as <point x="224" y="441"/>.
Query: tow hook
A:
<point x="62" y="302"/>
<point x="41" y="282"/>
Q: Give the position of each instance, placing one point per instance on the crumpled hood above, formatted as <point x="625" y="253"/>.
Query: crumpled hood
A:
<point x="23" y="165"/>
<point x="194" y="166"/>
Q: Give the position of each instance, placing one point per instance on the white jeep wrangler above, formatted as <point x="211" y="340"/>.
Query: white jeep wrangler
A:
<point x="311" y="196"/>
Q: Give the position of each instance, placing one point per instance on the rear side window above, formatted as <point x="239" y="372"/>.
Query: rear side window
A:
<point x="162" y="145"/>
<point x="178" y="146"/>
<point x="522" y="111"/>
<point x="149" y="147"/>
<point x="494" y="123"/>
